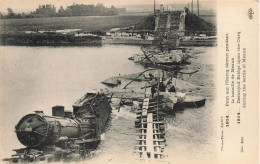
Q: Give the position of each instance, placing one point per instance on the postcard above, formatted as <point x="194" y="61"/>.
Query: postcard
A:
<point x="119" y="81"/>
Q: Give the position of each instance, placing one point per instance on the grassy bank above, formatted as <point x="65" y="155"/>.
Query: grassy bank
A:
<point x="48" y="39"/>
<point x="12" y="31"/>
<point x="194" y="24"/>
<point x="85" y="23"/>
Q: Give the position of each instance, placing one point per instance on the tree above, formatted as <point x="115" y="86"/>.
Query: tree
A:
<point x="113" y="7"/>
<point x="1" y="15"/>
<point x="68" y="12"/>
<point x="10" y="13"/>
<point x="100" y="6"/>
<point x="61" y="11"/>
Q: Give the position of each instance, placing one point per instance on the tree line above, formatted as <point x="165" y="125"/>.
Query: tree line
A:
<point x="49" y="10"/>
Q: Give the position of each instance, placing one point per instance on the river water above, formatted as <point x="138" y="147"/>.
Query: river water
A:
<point x="37" y="78"/>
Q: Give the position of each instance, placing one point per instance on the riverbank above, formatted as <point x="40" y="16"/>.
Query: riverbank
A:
<point x="48" y="39"/>
<point x="125" y="40"/>
<point x="85" y="23"/>
<point x="71" y="39"/>
<point x="44" y="31"/>
<point x="13" y="31"/>
<point x="138" y="41"/>
<point x="204" y="42"/>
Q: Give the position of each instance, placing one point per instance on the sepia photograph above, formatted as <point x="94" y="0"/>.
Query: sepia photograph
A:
<point x="117" y="81"/>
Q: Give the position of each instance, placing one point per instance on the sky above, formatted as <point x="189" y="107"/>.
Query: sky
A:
<point x="30" y="5"/>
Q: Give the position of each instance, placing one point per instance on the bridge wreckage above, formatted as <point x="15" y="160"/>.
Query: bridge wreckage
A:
<point x="69" y="136"/>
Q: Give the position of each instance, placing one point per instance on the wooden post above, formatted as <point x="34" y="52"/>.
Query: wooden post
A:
<point x="192" y="6"/>
<point x="119" y="105"/>
<point x="158" y="93"/>
<point x="154" y="7"/>
<point x="198" y="7"/>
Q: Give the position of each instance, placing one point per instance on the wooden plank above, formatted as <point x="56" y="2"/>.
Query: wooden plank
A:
<point x="160" y="140"/>
<point x="140" y="139"/>
<point x="149" y="136"/>
<point x="145" y="106"/>
<point x="140" y="145"/>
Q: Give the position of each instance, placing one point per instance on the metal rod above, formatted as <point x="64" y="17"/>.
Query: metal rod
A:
<point x="138" y="76"/>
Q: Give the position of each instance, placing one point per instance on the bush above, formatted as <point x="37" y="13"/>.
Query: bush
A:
<point x="98" y="32"/>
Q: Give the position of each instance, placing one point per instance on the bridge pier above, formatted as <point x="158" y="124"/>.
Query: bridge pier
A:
<point x="169" y="26"/>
